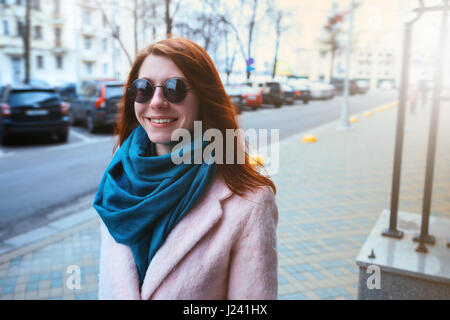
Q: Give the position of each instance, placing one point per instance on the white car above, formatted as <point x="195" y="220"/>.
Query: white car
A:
<point x="322" y="90"/>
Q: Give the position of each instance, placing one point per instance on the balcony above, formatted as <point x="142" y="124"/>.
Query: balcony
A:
<point x="88" y="56"/>
<point x="88" y="30"/>
<point x="87" y="4"/>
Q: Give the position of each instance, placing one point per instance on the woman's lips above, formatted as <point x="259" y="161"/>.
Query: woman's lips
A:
<point x="161" y="122"/>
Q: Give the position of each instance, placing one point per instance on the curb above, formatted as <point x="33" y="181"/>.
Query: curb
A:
<point x="42" y="236"/>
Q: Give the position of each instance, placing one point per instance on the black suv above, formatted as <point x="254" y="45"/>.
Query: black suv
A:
<point x="97" y="104"/>
<point x="271" y="92"/>
<point x="32" y="109"/>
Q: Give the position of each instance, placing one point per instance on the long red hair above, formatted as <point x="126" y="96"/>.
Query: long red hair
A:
<point x="216" y="110"/>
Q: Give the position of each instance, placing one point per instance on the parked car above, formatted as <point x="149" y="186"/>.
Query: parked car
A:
<point x="288" y="93"/>
<point x="302" y="89"/>
<point x="33" y="109"/>
<point x="67" y="91"/>
<point x="235" y="95"/>
<point x="363" y="86"/>
<point x="322" y="90"/>
<point x="339" y="86"/>
<point x="244" y="96"/>
<point x="97" y="104"/>
<point x="386" y="85"/>
<point x="271" y="92"/>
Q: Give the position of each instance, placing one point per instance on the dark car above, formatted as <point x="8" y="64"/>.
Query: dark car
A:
<point x="302" y="89"/>
<point x="339" y="85"/>
<point x="33" y="109"/>
<point x="288" y="93"/>
<point x="97" y="104"/>
<point x="271" y="92"/>
<point x="67" y="91"/>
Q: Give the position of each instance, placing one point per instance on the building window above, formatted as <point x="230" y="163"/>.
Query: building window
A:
<point x="87" y="43"/>
<point x="37" y="32"/>
<point x="5" y="28"/>
<point x="18" y="2"/>
<point x="59" y="62"/>
<point x="19" y="28"/>
<point x="40" y="62"/>
<point x="88" y="66"/>
<point x="86" y="17"/>
<point x="36" y="4"/>
<point x="58" y="37"/>
<point x="105" y="44"/>
<point x="105" y="68"/>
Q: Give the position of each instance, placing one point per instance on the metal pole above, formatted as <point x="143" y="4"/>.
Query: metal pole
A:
<point x="344" y="123"/>
<point x="424" y="237"/>
<point x="392" y="231"/>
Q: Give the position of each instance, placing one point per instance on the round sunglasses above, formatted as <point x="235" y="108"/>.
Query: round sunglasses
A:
<point x="174" y="90"/>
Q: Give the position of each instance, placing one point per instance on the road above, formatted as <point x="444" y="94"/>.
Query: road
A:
<point x="39" y="176"/>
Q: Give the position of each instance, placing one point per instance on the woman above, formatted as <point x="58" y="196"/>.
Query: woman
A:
<point x="182" y="231"/>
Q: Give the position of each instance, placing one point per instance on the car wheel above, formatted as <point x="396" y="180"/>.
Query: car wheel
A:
<point x="305" y="101"/>
<point x="90" y="124"/>
<point x="63" y="135"/>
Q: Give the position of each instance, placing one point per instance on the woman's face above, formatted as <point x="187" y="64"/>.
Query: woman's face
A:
<point x="157" y="69"/>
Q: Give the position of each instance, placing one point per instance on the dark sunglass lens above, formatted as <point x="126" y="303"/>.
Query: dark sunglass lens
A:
<point x="175" y="90"/>
<point x="143" y="90"/>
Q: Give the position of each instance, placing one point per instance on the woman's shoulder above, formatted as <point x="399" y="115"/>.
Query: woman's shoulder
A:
<point x="259" y="196"/>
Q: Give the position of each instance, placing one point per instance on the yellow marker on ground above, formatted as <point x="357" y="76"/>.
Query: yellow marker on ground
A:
<point x="368" y="114"/>
<point x="308" y="138"/>
<point x="353" y="119"/>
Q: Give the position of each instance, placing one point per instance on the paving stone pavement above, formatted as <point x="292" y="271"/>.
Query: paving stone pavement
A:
<point x="329" y="195"/>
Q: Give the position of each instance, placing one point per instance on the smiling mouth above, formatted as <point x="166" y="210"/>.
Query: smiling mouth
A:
<point x="162" y="120"/>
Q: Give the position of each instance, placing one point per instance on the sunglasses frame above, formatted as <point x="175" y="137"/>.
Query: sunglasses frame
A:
<point x="149" y="83"/>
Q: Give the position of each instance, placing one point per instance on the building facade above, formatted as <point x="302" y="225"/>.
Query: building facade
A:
<point x="70" y="41"/>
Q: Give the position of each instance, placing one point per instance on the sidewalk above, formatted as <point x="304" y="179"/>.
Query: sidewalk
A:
<point x="329" y="195"/>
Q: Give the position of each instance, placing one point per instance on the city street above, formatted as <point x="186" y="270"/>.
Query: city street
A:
<point x="39" y="177"/>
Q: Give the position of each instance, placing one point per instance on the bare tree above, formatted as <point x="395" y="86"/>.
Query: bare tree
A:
<point x="170" y="15"/>
<point x="251" y="28"/>
<point x="227" y="18"/>
<point x="229" y="60"/>
<point x="277" y="16"/>
<point x="114" y="28"/>
<point x="25" y="33"/>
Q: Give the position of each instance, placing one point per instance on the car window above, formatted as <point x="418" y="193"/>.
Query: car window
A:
<point x="113" y="91"/>
<point x="31" y="97"/>
<point x="89" y="90"/>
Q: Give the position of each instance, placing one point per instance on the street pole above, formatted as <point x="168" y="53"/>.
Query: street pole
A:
<point x="344" y="123"/>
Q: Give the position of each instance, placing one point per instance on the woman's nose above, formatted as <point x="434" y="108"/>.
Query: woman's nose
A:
<point x="158" y="100"/>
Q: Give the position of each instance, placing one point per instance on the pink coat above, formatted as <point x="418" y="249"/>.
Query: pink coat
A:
<point x="224" y="248"/>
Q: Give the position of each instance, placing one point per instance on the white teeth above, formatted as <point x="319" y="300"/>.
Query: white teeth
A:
<point x="162" y="120"/>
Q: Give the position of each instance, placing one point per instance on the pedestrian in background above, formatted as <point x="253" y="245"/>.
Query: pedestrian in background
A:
<point x="186" y="231"/>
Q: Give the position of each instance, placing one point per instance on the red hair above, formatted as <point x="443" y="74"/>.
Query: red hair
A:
<point x="216" y="110"/>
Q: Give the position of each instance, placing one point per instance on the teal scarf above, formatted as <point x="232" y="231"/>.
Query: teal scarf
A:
<point x="142" y="196"/>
